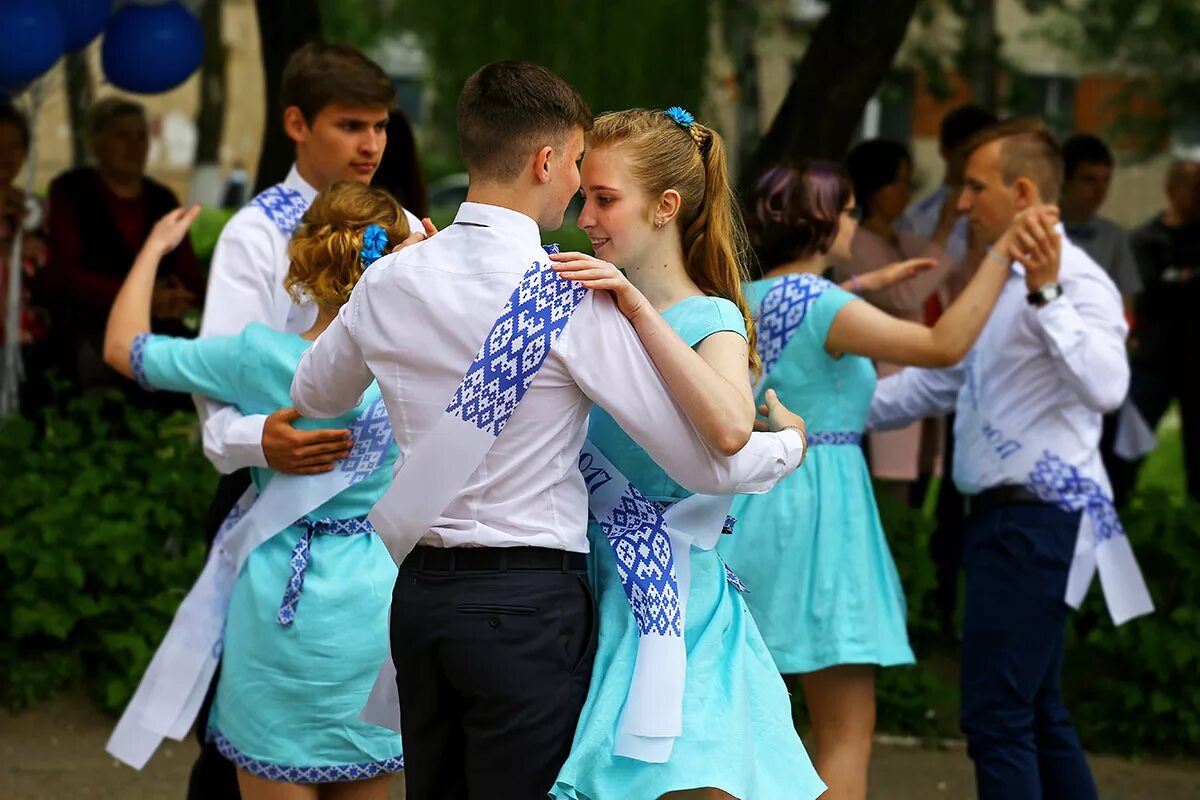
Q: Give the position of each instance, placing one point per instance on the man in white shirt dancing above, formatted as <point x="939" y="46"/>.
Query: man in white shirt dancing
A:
<point x="1029" y="400"/>
<point x="493" y="622"/>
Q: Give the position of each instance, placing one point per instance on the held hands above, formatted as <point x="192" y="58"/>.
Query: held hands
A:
<point x="884" y="277"/>
<point x="779" y="418"/>
<point x="418" y="236"/>
<point x="297" y="452"/>
<point x="593" y="273"/>
<point x="1032" y="241"/>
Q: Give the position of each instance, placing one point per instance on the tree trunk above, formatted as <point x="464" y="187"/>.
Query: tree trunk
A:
<point x="283" y="25"/>
<point x="981" y="43"/>
<point x="79" y="100"/>
<point x="849" y="54"/>
<point x="741" y="28"/>
<point x="210" y="122"/>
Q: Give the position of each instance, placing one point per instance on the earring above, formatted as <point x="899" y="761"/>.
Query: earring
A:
<point x="658" y="223"/>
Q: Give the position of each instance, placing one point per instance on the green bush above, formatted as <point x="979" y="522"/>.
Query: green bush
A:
<point x="206" y="229"/>
<point x="100" y="527"/>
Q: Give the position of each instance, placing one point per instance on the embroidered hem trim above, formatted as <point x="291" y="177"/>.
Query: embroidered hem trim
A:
<point x="289" y="774"/>
<point x="137" y="355"/>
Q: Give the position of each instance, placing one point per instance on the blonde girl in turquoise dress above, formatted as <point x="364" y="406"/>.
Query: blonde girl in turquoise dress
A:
<point x="823" y="586"/>
<point x="307" y="625"/>
<point x="658" y="203"/>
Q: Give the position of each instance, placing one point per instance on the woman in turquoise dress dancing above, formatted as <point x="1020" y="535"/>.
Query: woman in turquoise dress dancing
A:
<point x="307" y="625"/>
<point x="823" y="586"/>
<point x="658" y="203"/>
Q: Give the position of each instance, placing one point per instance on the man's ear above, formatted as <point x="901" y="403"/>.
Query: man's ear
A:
<point x="541" y="164"/>
<point x="294" y="124"/>
<point x="1027" y="193"/>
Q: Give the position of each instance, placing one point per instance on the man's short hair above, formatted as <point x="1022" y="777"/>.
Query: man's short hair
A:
<point x="1084" y="148"/>
<point x="961" y="123"/>
<point x="509" y="108"/>
<point x="318" y="75"/>
<point x="1027" y="150"/>
<point x="106" y="110"/>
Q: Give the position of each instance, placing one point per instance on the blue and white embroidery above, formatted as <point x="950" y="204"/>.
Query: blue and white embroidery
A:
<point x="371" y="432"/>
<point x="534" y="317"/>
<point x="283" y="205"/>
<point x="638" y="535"/>
<point x="1062" y="484"/>
<point x="733" y="580"/>
<point x="301" y="554"/>
<point x="288" y="774"/>
<point x="817" y="438"/>
<point x="783" y="309"/>
<point x="137" y="361"/>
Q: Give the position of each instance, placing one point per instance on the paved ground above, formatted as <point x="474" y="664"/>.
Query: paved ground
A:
<point x="56" y="752"/>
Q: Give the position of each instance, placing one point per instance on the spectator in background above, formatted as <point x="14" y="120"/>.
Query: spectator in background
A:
<point x="234" y="196"/>
<point x="399" y="169"/>
<point x="882" y="175"/>
<point x="922" y="217"/>
<point x="1167" y="251"/>
<point x="22" y="214"/>
<point x="99" y="219"/>
<point x="1088" y="167"/>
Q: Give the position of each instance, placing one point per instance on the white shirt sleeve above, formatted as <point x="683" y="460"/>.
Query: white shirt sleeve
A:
<point x="607" y="361"/>
<point x="1085" y="331"/>
<point x="241" y="290"/>
<point x="332" y="374"/>
<point x="915" y="393"/>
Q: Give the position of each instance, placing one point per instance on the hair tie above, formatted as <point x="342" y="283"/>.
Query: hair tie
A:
<point x="681" y="117"/>
<point x="375" y="242"/>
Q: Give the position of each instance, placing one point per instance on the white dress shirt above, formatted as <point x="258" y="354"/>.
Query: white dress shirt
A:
<point x="245" y="284"/>
<point x="921" y="219"/>
<point x="1037" y="378"/>
<point x="415" y="322"/>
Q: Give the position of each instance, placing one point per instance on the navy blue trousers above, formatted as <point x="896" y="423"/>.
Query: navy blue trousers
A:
<point x="1018" y="732"/>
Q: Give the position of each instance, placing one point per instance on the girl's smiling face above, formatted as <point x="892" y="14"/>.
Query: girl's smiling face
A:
<point x="617" y="214"/>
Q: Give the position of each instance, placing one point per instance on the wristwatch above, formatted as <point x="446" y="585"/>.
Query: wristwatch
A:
<point x="1040" y="297"/>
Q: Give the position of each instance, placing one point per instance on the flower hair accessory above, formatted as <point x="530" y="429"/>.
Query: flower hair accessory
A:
<point x="681" y="116"/>
<point x="375" y="242"/>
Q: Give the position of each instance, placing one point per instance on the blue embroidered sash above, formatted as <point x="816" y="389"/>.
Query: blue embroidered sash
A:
<point x="780" y="315"/>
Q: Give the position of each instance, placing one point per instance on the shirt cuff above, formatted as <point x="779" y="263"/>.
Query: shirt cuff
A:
<point x="793" y="447"/>
<point x="1058" y="319"/>
<point x="241" y="445"/>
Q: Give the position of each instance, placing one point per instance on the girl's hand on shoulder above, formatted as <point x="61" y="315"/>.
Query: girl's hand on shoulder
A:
<point x="417" y="236"/>
<point x="593" y="273"/>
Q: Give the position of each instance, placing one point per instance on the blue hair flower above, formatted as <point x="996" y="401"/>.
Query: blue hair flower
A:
<point x="375" y="242"/>
<point x="681" y="116"/>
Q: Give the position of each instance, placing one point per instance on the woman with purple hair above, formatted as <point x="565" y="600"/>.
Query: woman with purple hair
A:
<point x="823" y="586"/>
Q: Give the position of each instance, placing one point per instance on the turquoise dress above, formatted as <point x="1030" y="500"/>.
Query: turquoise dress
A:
<point x="823" y="586"/>
<point x="289" y="695"/>
<point x="737" y="733"/>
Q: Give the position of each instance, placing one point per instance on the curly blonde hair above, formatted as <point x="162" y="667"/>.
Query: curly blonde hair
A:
<point x="326" y="245"/>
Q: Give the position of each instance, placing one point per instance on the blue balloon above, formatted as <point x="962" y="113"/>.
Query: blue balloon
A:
<point x="31" y="39"/>
<point x="151" y="49"/>
<point x="83" y="20"/>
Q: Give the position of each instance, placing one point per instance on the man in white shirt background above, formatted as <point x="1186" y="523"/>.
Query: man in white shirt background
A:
<point x="1029" y="399"/>
<point x="493" y="621"/>
<point x="335" y="108"/>
<point x="1087" y="172"/>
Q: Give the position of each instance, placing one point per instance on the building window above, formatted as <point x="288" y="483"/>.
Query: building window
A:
<point x="1051" y="97"/>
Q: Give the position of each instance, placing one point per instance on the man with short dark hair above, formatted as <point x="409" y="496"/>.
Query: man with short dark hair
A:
<point x="1029" y="399"/>
<point x="335" y="104"/>
<point x="493" y="619"/>
<point x="1167" y="249"/>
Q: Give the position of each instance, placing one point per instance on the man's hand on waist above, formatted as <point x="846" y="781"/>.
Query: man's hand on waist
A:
<point x="298" y="452"/>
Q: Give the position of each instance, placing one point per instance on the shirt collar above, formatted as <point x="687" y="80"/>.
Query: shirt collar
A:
<point x="294" y="181"/>
<point x="506" y="219"/>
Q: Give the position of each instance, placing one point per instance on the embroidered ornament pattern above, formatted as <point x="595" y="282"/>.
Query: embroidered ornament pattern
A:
<point x="283" y="206"/>
<point x="137" y="361"/>
<point x="301" y="554"/>
<point x="371" y="432"/>
<point x="783" y="310"/>
<point x="639" y="539"/>
<point x="286" y="774"/>
<point x="834" y="437"/>
<point x="1060" y="483"/>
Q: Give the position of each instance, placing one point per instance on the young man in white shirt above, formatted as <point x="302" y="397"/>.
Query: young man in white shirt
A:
<point x="493" y="621"/>
<point x="1029" y="399"/>
<point x="335" y="108"/>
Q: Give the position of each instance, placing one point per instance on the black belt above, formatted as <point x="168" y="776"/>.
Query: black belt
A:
<point x="1008" y="494"/>
<point x="494" y="559"/>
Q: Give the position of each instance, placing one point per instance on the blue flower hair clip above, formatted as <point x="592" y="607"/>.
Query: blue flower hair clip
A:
<point x="681" y="116"/>
<point x="375" y="242"/>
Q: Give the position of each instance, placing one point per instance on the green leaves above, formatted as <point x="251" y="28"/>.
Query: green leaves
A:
<point x="100" y="527"/>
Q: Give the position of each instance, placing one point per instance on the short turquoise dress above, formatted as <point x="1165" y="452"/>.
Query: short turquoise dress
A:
<point x="823" y="585"/>
<point x="289" y="694"/>
<point x="737" y="732"/>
